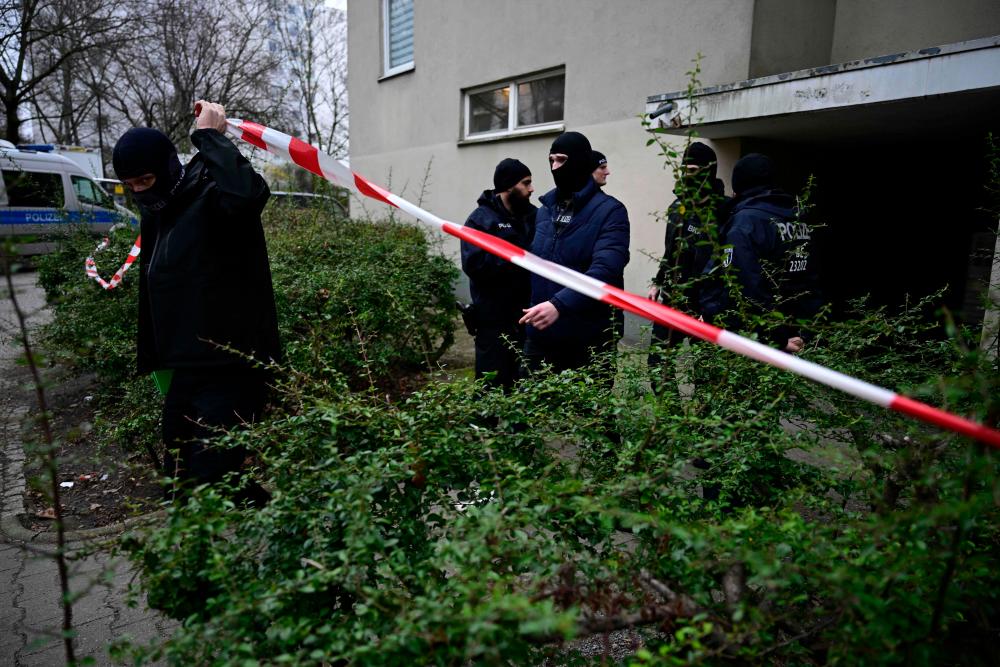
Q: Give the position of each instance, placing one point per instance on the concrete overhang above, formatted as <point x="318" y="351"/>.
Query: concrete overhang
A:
<point x="945" y="87"/>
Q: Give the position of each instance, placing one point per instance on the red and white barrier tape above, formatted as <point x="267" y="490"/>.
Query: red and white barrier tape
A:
<point x="312" y="159"/>
<point x="90" y="266"/>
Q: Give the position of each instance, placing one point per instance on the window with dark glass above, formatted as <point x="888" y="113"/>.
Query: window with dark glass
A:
<point x="541" y="100"/>
<point x="88" y="192"/>
<point x="529" y="103"/>
<point x="489" y="111"/>
<point x="29" y="188"/>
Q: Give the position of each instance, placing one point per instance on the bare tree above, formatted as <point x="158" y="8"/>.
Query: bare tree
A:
<point x="312" y="38"/>
<point x="191" y="50"/>
<point x="43" y="39"/>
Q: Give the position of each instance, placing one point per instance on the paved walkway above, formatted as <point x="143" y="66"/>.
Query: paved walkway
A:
<point x="30" y="614"/>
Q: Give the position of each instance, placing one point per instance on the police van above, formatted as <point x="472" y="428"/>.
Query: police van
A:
<point x="43" y="195"/>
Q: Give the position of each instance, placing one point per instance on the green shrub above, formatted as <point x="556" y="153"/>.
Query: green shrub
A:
<point x="467" y="526"/>
<point x="92" y="329"/>
<point x="370" y="299"/>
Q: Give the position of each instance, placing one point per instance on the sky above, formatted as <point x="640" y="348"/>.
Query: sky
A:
<point x="338" y="4"/>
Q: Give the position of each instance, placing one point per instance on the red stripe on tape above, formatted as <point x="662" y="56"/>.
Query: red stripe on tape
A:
<point x="305" y="155"/>
<point x="487" y="242"/>
<point x="253" y="134"/>
<point x="657" y="312"/>
<point x="366" y="187"/>
<point x="947" y="420"/>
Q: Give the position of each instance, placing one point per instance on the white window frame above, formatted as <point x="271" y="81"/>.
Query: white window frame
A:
<point x="398" y="69"/>
<point x="513" y="129"/>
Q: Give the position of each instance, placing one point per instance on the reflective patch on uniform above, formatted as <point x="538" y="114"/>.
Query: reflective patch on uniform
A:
<point x="727" y="256"/>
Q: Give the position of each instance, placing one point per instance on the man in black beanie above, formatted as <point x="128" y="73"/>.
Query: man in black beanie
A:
<point x="500" y="290"/>
<point x="204" y="285"/>
<point x="693" y="221"/>
<point x="768" y="247"/>
<point x="582" y="228"/>
<point x="601" y="170"/>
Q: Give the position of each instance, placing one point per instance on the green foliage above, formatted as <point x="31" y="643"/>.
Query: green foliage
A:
<point x="369" y="299"/>
<point x="467" y="526"/>
<point x="93" y="329"/>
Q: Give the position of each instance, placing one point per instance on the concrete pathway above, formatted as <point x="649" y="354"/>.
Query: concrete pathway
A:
<point x="30" y="613"/>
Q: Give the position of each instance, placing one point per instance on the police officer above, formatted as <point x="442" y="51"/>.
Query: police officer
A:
<point x="601" y="169"/>
<point x="769" y="248"/>
<point x="500" y="290"/>
<point x="582" y="228"/>
<point x="693" y="221"/>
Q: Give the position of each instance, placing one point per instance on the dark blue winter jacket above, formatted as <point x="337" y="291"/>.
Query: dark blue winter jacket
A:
<point x="594" y="242"/>
<point x="500" y="290"/>
<point x="769" y="248"/>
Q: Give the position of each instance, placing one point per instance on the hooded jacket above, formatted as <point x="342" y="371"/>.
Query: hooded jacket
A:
<point x="770" y="251"/>
<point x="204" y="275"/>
<point x="594" y="242"/>
<point x="499" y="289"/>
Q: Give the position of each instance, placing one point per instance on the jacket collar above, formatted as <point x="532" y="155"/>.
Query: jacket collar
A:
<point x="580" y="198"/>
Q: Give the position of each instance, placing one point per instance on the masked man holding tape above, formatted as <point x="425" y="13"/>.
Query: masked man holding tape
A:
<point x="582" y="228"/>
<point x="206" y="303"/>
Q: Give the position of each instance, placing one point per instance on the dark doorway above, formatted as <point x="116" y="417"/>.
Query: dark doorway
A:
<point x="901" y="216"/>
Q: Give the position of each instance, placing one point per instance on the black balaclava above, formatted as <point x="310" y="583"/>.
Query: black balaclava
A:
<point x="143" y="150"/>
<point x="752" y="171"/>
<point x="700" y="155"/>
<point x="693" y="182"/>
<point x="573" y="175"/>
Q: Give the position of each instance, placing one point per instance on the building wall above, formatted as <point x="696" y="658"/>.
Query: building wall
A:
<point x="865" y="28"/>
<point x="615" y="54"/>
<point x="790" y="35"/>
<point x="405" y="130"/>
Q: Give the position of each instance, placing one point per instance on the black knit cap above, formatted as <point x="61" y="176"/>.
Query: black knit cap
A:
<point x="752" y="171"/>
<point x="598" y="159"/>
<point x="699" y="154"/>
<point x="509" y="173"/>
<point x="143" y="150"/>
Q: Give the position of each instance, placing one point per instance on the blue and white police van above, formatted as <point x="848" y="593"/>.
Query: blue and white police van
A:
<point x="44" y="195"/>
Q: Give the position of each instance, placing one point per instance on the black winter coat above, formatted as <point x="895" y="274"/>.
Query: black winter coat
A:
<point x="595" y="242"/>
<point x="687" y="246"/>
<point x="499" y="289"/>
<point x="204" y="274"/>
<point x="770" y="250"/>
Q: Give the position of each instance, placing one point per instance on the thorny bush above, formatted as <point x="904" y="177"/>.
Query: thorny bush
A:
<point x="752" y="517"/>
<point x="368" y="298"/>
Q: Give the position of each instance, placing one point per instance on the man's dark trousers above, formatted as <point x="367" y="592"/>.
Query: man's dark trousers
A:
<point x="199" y="403"/>
<point x="497" y="348"/>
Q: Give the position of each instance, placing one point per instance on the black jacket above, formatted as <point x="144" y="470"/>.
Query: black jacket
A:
<point x="499" y="289"/>
<point x="687" y="245"/>
<point x="204" y="274"/>
<point x="769" y="248"/>
<point x="594" y="242"/>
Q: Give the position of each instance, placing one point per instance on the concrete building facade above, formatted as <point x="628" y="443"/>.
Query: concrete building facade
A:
<point x="428" y="126"/>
